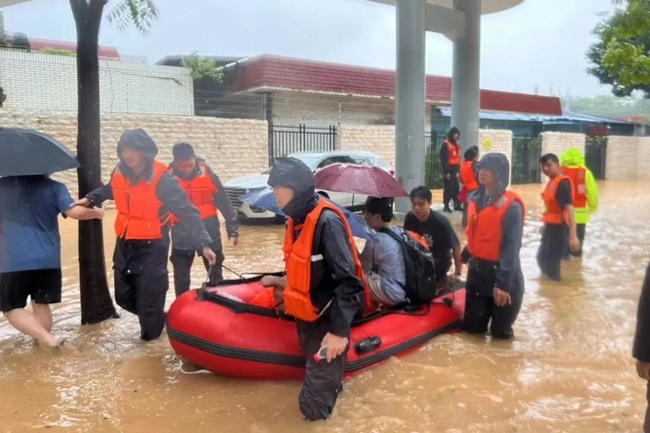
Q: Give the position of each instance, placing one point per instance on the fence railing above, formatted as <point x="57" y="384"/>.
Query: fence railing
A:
<point x="284" y="140"/>
<point x="596" y="156"/>
<point x="526" y="152"/>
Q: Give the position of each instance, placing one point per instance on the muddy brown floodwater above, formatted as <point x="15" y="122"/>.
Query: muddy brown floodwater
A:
<point x="568" y="370"/>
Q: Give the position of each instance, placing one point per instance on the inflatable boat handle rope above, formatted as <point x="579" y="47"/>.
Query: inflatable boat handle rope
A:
<point x="201" y="371"/>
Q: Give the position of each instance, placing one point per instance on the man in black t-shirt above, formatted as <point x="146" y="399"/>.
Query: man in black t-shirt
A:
<point x="438" y="232"/>
<point x="559" y="219"/>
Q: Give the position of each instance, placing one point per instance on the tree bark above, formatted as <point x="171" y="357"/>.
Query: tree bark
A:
<point x="96" y="302"/>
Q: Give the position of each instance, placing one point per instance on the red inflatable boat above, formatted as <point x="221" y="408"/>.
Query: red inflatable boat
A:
<point x="216" y="329"/>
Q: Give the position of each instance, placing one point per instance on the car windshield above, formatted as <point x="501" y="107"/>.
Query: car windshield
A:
<point x="310" y="161"/>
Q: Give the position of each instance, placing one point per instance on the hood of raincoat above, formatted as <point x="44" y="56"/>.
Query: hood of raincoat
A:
<point x="139" y="140"/>
<point x="294" y="174"/>
<point x="572" y="158"/>
<point x="498" y="164"/>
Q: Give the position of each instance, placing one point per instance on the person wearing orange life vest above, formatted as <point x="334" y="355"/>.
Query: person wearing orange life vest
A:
<point x="450" y="162"/>
<point x="323" y="288"/>
<point x="468" y="178"/>
<point x="585" y="192"/>
<point x="206" y="192"/>
<point x="145" y="194"/>
<point x="558" y="215"/>
<point x="495" y="281"/>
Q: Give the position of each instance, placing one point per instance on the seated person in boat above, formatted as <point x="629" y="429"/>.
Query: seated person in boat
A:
<point x="436" y="229"/>
<point x="323" y="288"/>
<point x="382" y="257"/>
<point x="495" y="281"/>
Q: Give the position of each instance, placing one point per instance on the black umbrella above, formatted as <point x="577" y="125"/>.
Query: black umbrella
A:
<point x="24" y="152"/>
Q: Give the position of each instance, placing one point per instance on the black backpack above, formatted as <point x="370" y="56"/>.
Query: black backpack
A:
<point x="421" y="285"/>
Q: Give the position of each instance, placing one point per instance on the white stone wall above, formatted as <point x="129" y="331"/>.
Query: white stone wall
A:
<point x="643" y="162"/>
<point x="377" y="139"/>
<point x="381" y="140"/>
<point x="622" y="158"/>
<point x="495" y="141"/>
<point x="324" y="110"/>
<point x="232" y="147"/>
<point x="560" y="142"/>
<point x="43" y="82"/>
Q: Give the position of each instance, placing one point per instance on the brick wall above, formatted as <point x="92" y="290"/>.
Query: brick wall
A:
<point x="622" y="158"/>
<point x="233" y="147"/>
<point x="43" y="82"/>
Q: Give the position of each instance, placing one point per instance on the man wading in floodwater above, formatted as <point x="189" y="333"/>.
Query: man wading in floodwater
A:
<point x="323" y="288"/>
<point x="145" y="194"/>
<point x="642" y="343"/>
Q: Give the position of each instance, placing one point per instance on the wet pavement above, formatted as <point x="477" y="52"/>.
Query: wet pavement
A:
<point x="568" y="370"/>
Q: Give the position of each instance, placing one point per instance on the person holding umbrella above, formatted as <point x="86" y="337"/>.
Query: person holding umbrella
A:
<point x="30" y="243"/>
<point x="146" y="195"/>
<point x="206" y="192"/>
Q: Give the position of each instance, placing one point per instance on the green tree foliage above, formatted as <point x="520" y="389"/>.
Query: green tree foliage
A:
<point x="621" y="58"/>
<point x="608" y="106"/>
<point x="202" y="68"/>
<point x="139" y="13"/>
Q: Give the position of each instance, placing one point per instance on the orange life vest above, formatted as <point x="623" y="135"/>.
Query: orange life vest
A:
<point x="298" y="259"/>
<point x="553" y="214"/>
<point x="577" y="176"/>
<point x="137" y="205"/>
<point x="485" y="227"/>
<point x="467" y="176"/>
<point x="453" y="153"/>
<point x="201" y="191"/>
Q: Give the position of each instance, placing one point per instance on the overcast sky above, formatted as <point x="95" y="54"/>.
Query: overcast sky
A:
<point x="541" y="43"/>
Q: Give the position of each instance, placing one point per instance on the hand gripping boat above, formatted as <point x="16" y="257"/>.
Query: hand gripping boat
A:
<point x="231" y="338"/>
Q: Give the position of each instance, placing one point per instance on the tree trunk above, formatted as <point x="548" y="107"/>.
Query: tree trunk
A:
<point x="96" y="302"/>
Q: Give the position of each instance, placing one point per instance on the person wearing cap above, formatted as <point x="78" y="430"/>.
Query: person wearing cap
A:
<point x="323" y="288"/>
<point x="145" y="196"/>
<point x="495" y="281"/>
<point x="206" y="192"/>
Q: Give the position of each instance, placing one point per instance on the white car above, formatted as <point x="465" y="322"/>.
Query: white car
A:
<point x="314" y="160"/>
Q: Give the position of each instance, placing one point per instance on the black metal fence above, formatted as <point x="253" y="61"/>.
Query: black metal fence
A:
<point x="433" y="170"/>
<point x="526" y="152"/>
<point x="284" y="140"/>
<point x="596" y="156"/>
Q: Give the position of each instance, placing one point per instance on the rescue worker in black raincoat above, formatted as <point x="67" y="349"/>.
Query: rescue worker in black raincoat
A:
<point x="323" y="287"/>
<point x="641" y="351"/>
<point x="495" y="281"/>
<point x="450" y="162"/>
<point x="206" y="192"/>
<point x="145" y="195"/>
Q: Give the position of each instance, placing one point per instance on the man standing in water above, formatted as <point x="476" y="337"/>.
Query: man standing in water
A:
<point x="642" y="342"/>
<point x="323" y="288"/>
<point x="450" y="161"/>
<point x="559" y="213"/>
<point x="30" y="251"/>
<point x="206" y="192"/>
<point x="585" y="191"/>
<point x="145" y="193"/>
<point x="495" y="281"/>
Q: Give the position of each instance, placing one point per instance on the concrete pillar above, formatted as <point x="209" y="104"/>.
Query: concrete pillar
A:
<point x="465" y="89"/>
<point x="409" y="97"/>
